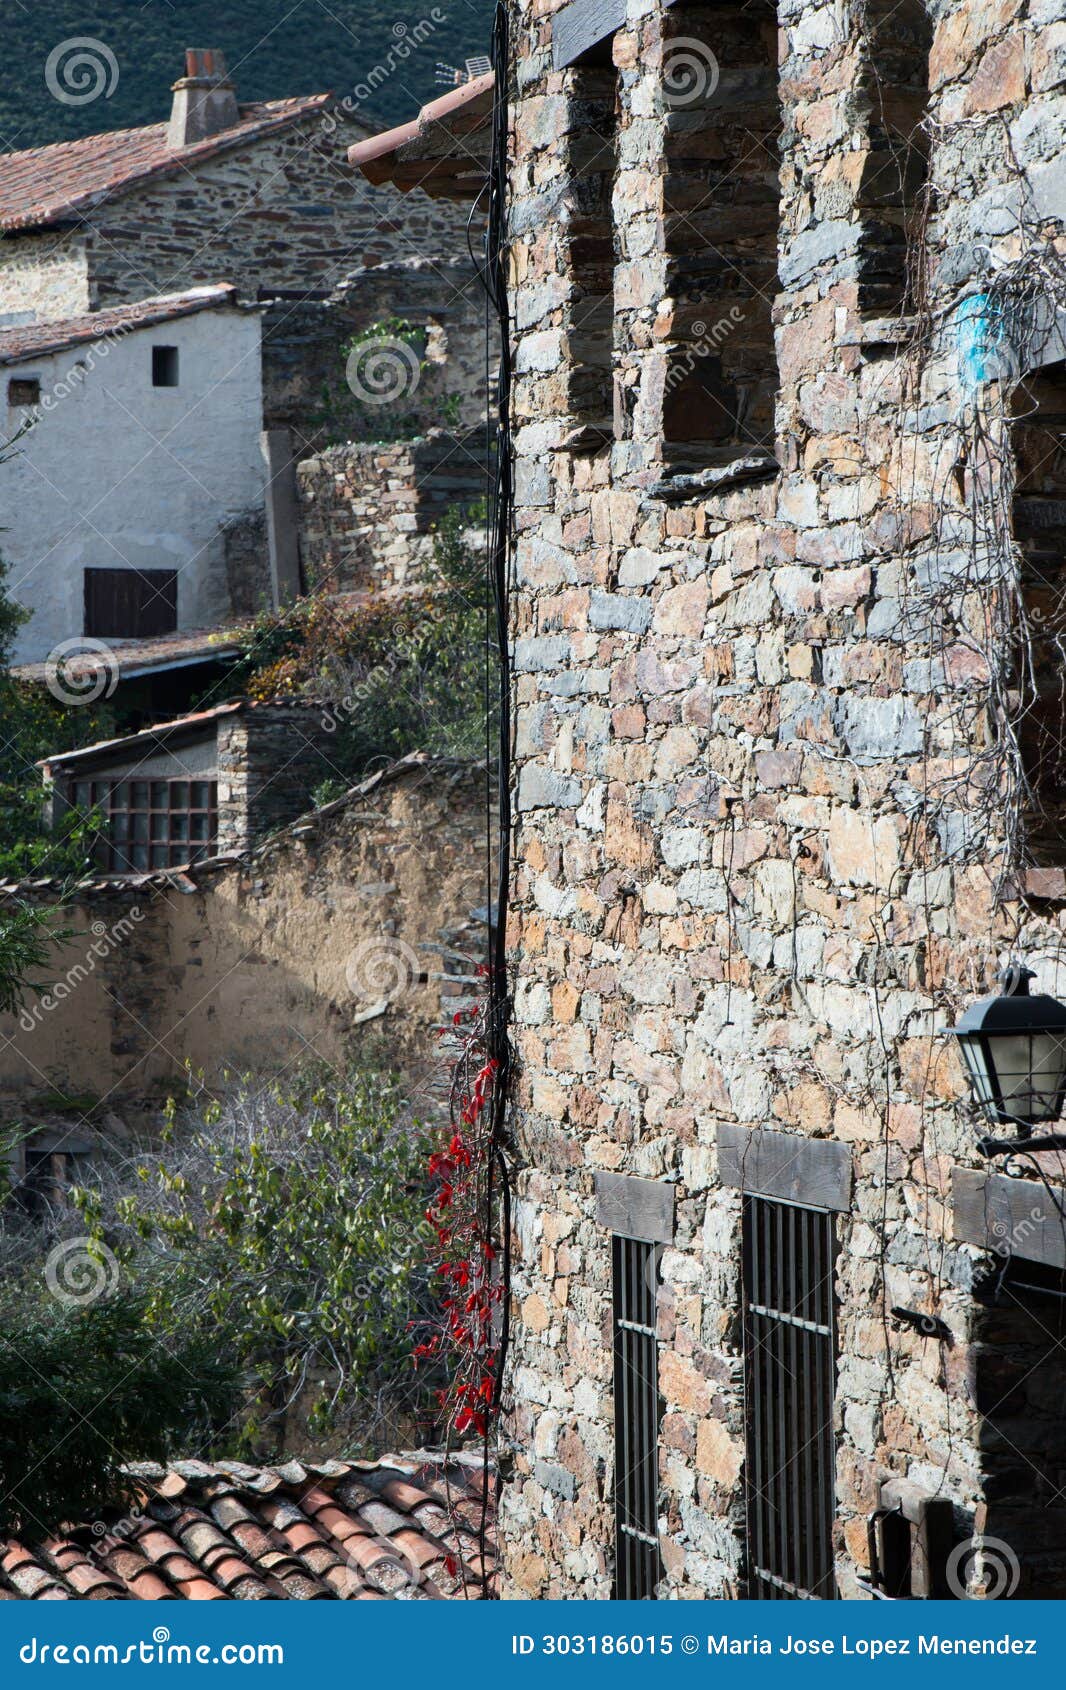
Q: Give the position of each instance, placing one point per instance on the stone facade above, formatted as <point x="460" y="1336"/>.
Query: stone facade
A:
<point x="305" y="381"/>
<point x="368" y="513"/>
<point x="281" y="213"/>
<point x="761" y="857"/>
<point x="270" y="759"/>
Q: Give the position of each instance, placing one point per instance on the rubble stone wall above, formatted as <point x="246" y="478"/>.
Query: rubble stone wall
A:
<point x="368" y="513"/>
<point x="283" y="213"/>
<point x="307" y="386"/>
<point x="755" y="877"/>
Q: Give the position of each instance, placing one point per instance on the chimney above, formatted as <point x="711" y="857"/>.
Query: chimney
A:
<point x="204" y="99"/>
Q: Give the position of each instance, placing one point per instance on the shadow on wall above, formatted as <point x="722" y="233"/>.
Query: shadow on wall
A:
<point x="354" y="924"/>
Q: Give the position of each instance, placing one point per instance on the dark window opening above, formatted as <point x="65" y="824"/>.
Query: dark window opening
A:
<point x="592" y="163"/>
<point x="164" y="366"/>
<point x="895" y="172"/>
<point x="151" y="824"/>
<point x="1039" y="519"/>
<point x="130" y="604"/>
<point x="790" y="1382"/>
<point x="46" y="1177"/>
<point x="1019" y="1386"/>
<point x="721" y="210"/>
<point x="1015" y="1280"/>
<point x="24" y="390"/>
<point x="636" y="1420"/>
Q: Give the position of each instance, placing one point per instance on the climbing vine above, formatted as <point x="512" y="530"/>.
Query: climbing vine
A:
<point x="465" y="1222"/>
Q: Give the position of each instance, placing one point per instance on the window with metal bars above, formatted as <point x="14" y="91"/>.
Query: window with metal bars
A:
<point x="151" y="823"/>
<point x="636" y="1420"/>
<point x="790" y="1380"/>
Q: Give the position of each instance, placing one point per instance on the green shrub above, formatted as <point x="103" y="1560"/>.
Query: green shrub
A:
<point x="85" y="1388"/>
<point x="287" y="1223"/>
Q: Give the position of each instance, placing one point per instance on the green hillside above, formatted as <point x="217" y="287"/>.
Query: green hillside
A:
<point x="385" y="51"/>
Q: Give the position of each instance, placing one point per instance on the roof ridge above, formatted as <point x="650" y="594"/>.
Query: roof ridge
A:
<point x="111" y="161"/>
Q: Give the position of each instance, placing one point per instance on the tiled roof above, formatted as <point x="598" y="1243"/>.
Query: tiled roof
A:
<point x="53" y="184"/>
<point x="40" y="340"/>
<point x="126" y="659"/>
<point x="403" y="1528"/>
<point x="443" y="150"/>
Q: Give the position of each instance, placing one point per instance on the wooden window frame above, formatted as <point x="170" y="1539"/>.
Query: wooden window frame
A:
<point x="115" y="797"/>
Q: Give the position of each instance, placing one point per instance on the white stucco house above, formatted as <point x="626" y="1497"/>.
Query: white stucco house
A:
<point x="146" y="442"/>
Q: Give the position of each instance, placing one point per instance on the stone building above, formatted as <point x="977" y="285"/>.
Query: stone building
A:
<point x="256" y="195"/>
<point x="789" y="400"/>
<point x="197" y="786"/>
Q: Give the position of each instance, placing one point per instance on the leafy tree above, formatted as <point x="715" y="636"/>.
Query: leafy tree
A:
<point x="383" y="364"/>
<point x="287" y="1223"/>
<point x="32" y="726"/>
<point x="87" y="1387"/>
<point x="26" y="941"/>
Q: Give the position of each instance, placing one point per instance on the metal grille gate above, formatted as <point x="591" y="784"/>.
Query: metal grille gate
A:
<point x="790" y="1378"/>
<point x="636" y="1420"/>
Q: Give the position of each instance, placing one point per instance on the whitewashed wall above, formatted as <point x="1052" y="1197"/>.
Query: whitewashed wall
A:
<point x="118" y="473"/>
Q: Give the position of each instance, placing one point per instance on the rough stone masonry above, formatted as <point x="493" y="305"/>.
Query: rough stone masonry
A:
<point x="764" y="853"/>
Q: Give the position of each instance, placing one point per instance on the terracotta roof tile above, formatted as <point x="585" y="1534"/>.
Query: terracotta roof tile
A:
<point x="59" y="183"/>
<point x="443" y="150"/>
<point x="300" y="1532"/>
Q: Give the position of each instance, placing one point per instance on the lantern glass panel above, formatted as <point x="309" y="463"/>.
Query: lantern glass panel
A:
<point x="975" y="1056"/>
<point x="1029" y="1067"/>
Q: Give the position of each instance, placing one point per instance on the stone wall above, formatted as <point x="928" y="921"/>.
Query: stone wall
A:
<point x="305" y="378"/>
<point x="756" y="873"/>
<point x="353" y="926"/>
<point x="284" y="213"/>
<point x="271" y="757"/>
<point x="43" y="277"/>
<point x="368" y="513"/>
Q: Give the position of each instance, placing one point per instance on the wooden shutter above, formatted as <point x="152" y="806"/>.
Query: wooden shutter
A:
<point x="130" y="604"/>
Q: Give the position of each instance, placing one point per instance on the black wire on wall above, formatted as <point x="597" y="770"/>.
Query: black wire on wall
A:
<point x="494" y="278"/>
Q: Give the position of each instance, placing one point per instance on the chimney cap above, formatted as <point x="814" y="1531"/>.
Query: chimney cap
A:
<point x="205" y="65"/>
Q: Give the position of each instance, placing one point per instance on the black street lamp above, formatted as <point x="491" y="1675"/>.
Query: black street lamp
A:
<point x="1014" y="1047"/>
